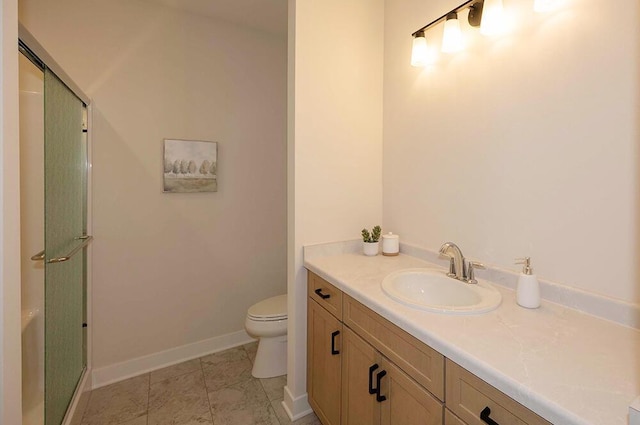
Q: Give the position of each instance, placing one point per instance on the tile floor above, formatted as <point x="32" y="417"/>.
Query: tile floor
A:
<point x="216" y="389"/>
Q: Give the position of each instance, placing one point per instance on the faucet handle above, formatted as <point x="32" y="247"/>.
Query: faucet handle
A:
<point x="471" y="270"/>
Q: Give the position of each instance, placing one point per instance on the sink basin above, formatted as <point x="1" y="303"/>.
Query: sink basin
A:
<point x="433" y="290"/>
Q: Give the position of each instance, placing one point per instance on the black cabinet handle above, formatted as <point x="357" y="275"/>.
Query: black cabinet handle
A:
<point x="333" y="343"/>
<point x="371" y="370"/>
<point x="321" y="295"/>
<point x="484" y="416"/>
<point x="380" y="398"/>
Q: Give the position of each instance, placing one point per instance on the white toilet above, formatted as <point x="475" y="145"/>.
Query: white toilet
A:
<point x="267" y="320"/>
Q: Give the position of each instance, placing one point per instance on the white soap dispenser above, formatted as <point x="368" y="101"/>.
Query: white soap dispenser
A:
<point x="528" y="291"/>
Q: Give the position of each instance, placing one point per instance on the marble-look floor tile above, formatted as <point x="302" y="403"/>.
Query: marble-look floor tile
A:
<point x="274" y="387"/>
<point x="251" y="349"/>
<point x="142" y="420"/>
<point x="310" y="419"/>
<point x="244" y="403"/>
<point x="246" y="393"/>
<point x="222" y="374"/>
<point x="262" y="415"/>
<point x="181" y="400"/>
<point x="175" y="370"/>
<point x="118" y="403"/>
<point x="232" y="354"/>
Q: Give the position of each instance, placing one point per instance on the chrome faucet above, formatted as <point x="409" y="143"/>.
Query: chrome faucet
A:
<point x="459" y="268"/>
<point x="456" y="260"/>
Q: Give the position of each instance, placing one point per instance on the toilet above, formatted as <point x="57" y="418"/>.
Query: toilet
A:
<point x="267" y="321"/>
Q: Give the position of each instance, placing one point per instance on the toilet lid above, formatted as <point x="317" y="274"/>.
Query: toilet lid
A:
<point x="269" y="309"/>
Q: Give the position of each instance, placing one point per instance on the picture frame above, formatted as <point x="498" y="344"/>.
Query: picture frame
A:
<point x="190" y="166"/>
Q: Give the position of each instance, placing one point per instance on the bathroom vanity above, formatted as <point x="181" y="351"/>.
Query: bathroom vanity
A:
<point x="364" y="369"/>
<point x="373" y="360"/>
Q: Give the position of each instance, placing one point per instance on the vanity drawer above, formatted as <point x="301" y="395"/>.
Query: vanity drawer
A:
<point x="414" y="357"/>
<point x="327" y="295"/>
<point x="468" y="396"/>
<point x="451" y="419"/>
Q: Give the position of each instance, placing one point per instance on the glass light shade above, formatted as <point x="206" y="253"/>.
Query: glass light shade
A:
<point x="420" y="52"/>
<point x="542" y="6"/>
<point x="492" y="17"/>
<point x="452" y="37"/>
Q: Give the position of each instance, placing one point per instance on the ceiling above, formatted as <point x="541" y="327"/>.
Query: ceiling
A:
<point x="265" y="15"/>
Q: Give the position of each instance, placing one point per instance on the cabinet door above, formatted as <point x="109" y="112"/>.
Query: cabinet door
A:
<point x="323" y="363"/>
<point x="360" y="364"/>
<point x="407" y="403"/>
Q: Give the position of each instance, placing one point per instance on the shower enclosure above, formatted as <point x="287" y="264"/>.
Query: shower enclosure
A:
<point x="63" y="235"/>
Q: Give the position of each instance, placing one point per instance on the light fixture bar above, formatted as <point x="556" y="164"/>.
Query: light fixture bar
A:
<point x="443" y="17"/>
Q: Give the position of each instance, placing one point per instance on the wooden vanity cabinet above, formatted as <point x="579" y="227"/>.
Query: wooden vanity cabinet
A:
<point x="364" y="370"/>
<point x="324" y="356"/>
<point x="350" y="381"/>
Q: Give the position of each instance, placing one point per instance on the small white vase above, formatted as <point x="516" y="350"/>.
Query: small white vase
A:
<point x="370" y="248"/>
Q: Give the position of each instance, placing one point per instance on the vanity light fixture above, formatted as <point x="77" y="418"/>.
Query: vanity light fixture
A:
<point x="420" y="51"/>
<point x="492" y="17"/>
<point x="452" y="37"/>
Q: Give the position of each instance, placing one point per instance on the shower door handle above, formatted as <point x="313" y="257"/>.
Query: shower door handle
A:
<point x="85" y="241"/>
<point x="39" y="256"/>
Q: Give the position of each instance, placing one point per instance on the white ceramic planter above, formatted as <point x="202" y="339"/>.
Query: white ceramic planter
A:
<point x="370" y="248"/>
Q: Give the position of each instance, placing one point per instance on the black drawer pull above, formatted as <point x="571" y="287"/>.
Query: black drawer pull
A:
<point x="371" y="370"/>
<point x="380" y="398"/>
<point x="321" y="295"/>
<point x="333" y="343"/>
<point x="484" y="416"/>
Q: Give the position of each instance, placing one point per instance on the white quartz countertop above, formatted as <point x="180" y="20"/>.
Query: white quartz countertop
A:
<point x="565" y="365"/>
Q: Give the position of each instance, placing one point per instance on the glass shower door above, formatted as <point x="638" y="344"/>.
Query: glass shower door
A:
<point x="65" y="238"/>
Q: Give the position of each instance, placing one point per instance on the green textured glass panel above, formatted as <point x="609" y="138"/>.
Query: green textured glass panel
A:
<point x="65" y="170"/>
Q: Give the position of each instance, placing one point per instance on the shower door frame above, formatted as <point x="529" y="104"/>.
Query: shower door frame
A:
<point x="78" y="402"/>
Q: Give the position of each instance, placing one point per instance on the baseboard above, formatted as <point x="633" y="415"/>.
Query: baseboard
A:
<point x="117" y="372"/>
<point x="295" y="407"/>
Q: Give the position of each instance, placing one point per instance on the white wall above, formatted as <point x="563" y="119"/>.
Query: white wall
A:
<point x="522" y="145"/>
<point x="174" y="269"/>
<point x="335" y="143"/>
<point x="10" y="362"/>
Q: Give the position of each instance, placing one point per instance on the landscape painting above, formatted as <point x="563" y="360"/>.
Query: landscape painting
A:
<point x="190" y="166"/>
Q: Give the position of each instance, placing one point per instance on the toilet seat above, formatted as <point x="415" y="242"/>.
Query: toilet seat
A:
<point x="269" y="310"/>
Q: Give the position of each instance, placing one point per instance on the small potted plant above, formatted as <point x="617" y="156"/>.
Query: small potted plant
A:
<point x="370" y="241"/>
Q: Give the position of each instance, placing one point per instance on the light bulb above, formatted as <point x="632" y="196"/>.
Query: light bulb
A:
<point x="492" y="18"/>
<point x="419" y="52"/>
<point x="452" y="37"/>
<point x="542" y="6"/>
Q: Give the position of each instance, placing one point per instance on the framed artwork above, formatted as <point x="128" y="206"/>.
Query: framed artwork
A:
<point x="190" y="166"/>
